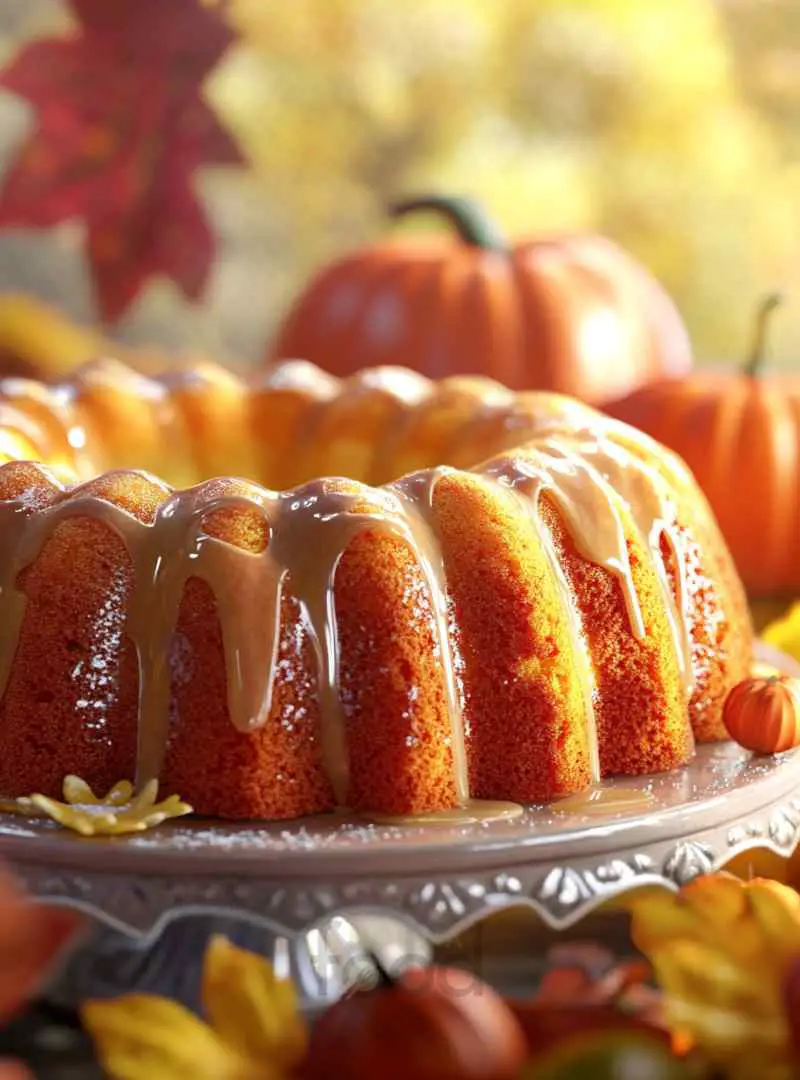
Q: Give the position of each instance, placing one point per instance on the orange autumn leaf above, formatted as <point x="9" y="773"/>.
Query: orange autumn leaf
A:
<point x="31" y="937"/>
<point x="254" y="1030"/>
<point x="572" y="1003"/>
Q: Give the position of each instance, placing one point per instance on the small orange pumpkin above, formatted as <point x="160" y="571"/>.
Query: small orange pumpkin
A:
<point x="574" y="314"/>
<point x="739" y="433"/>
<point x="763" y="714"/>
<point x="431" y="1023"/>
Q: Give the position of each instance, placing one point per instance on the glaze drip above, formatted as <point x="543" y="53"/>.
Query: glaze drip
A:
<point x="643" y="491"/>
<point x="416" y="493"/>
<point x="598" y="487"/>
<point x="309" y="530"/>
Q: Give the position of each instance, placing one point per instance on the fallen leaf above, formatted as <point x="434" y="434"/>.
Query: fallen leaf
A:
<point x="706" y="945"/>
<point x="254" y="1031"/>
<point x="250" y="1007"/>
<point x="117" y="812"/>
<point x="140" y="1035"/>
<point x="32" y="936"/>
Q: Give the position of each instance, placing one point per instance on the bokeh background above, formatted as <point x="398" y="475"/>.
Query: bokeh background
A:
<point x="671" y="125"/>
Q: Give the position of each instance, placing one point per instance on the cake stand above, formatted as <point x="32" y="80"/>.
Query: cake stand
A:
<point x="315" y="895"/>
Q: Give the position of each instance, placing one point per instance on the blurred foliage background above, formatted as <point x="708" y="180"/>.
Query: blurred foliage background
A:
<point x="671" y="125"/>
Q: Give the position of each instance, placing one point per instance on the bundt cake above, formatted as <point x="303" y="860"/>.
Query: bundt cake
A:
<point x="423" y="632"/>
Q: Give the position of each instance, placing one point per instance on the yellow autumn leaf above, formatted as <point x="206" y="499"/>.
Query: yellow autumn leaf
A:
<point x="141" y="1035"/>
<point x="121" y="810"/>
<point x="705" y="944"/>
<point x="77" y="792"/>
<point x="776" y="910"/>
<point x="254" y="1031"/>
<point x="250" y="1007"/>
<point x="784" y="633"/>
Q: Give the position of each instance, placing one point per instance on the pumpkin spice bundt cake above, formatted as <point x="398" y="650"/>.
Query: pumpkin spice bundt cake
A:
<point x="426" y="631"/>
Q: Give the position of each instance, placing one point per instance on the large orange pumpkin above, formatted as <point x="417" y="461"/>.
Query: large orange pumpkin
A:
<point x="574" y="314"/>
<point x="739" y="432"/>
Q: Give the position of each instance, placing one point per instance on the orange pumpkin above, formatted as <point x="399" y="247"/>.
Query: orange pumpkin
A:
<point x="764" y="714"/>
<point x="428" y="1024"/>
<point x="740" y="434"/>
<point x="572" y="314"/>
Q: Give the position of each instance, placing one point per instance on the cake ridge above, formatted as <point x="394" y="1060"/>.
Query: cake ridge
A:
<point x="170" y="549"/>
<point x="253" y="546"/>
<point x="248" y="586"/>
<point x="595" y="523"/>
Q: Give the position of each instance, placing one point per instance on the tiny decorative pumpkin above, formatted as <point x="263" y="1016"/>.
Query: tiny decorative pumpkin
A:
<point x="431" y="1023"/>
<point x="764" y="714"/>
<point x="574" y="314"/>
<point x="740" y="435"/>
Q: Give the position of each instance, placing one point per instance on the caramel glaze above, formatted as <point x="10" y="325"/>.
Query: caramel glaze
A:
<point x="473" y="812"/>
<point x="593" y="481"/>
<point x="605" y="802"/>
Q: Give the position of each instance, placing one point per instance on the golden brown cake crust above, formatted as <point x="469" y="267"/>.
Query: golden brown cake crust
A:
<point x="508" y="630"/>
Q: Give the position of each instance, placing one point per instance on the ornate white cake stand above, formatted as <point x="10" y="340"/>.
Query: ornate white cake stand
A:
<point x="314" y="894"/>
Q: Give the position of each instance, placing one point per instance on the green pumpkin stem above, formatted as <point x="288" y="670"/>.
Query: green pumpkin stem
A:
<point x="756" y="361"/>
<point x="468" y="218"/>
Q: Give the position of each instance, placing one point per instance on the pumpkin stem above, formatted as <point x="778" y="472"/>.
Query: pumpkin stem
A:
<point x="763" y="312"/>
<point x="385" y="977"/>
<point x="467" y="217"/>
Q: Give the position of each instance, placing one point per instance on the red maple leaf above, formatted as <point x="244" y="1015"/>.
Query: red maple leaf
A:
<point x="121" y="128"/>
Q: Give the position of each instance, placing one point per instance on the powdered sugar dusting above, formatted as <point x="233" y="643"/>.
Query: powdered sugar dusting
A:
<point x="96" y="677"/>
<point x="291" y="838"/>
